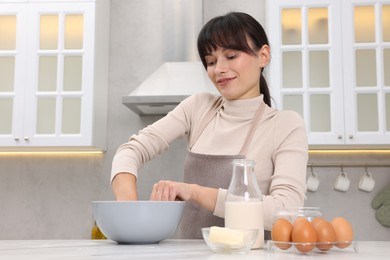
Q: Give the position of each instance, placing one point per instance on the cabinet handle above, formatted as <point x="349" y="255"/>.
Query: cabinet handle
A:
<point x="16" y="139"/>
<point x="339" y="137"/>
<point x="26" y="138"/>
<point x="350" y="136"/>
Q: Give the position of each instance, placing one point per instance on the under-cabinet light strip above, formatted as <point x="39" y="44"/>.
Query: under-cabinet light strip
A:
<point x="347" y="165"/>
<point x="349" y="152"/>
<point x="48" y="153"/>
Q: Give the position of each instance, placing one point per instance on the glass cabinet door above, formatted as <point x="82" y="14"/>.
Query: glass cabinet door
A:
<point x="7" y="73"/>
<point x="59" y="92"/>
<point x="368" y="84"/>
<point x="334" y="72"/>
<point x="308" y="78"/>
<point x="59" y="74"/>
<point x="11" y="74"/>
<point x="47" y="74"/>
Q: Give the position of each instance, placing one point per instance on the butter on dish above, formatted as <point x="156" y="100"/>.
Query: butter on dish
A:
<point x="226" y="236"/>
<point x="228" y="240"/>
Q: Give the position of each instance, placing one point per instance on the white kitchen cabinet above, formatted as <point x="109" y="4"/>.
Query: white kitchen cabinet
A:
<point x="331" y="63"/>
<point x="53" y="73"/>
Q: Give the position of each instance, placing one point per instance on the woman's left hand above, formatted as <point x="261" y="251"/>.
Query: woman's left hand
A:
<point x="171" y="190"/>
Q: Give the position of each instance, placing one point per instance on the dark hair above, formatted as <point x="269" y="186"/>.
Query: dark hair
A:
<point x="230" y="31"/>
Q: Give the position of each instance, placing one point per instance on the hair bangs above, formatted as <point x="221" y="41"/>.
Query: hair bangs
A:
<point x="223" y="32"/>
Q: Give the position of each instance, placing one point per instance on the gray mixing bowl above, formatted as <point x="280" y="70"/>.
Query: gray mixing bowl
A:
<point x="138" y="222"/>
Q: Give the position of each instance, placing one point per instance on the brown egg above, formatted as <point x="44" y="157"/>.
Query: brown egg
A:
<point x="303" y="233"/>
<point x="316" y="220"/>
<point x="344" y="232"/>
<point x="326" y="235"/>
<point x="298" y="219"/>
<point x="281" y="231"/>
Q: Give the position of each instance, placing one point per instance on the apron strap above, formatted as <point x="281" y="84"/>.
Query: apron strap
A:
<point x="206" y="119"/>
<point x="252" y="130"/>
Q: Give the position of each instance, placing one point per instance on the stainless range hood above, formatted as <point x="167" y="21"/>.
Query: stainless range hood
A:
<point x="167" y="87"/>
<point x="181" y="73"/>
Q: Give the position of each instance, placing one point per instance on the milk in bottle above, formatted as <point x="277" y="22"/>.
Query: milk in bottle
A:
<point x="244" y="205"/>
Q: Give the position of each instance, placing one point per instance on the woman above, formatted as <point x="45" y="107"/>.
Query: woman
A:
<point x="240" y="123"/>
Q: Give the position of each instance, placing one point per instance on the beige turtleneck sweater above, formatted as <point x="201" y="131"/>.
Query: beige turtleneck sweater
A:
<point x="279" y="146"/>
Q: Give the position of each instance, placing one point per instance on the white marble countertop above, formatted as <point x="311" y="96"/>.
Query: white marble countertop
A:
<point x="169" y="249"/>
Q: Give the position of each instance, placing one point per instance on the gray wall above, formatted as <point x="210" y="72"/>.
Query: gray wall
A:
<point x="49" y="197"/>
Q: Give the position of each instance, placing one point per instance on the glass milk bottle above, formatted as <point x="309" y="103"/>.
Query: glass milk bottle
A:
<point x="244" y="200"/>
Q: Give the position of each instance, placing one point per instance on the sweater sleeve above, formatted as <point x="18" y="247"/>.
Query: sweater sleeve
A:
<point x="290" y="156"/>
<point x="155" y="138"/>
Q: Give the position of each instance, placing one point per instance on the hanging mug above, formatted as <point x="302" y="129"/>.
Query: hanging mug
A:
<point x="342" y="182"/>
<point x="312" y="181"/>
<point x="366" y="182"/>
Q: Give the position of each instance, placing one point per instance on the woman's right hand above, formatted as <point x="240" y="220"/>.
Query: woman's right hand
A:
<point x="124" y="187"/>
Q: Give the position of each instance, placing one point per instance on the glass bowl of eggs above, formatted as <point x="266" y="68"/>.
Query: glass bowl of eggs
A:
<point x="304" y="230"/>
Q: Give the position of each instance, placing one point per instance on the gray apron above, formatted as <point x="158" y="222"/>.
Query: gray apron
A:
<point x="213" y="171"/>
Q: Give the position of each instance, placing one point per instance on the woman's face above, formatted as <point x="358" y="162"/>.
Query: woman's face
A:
<point x="236" y="74"/>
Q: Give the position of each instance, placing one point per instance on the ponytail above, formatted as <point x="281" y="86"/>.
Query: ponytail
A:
<point x="265" y="90"/>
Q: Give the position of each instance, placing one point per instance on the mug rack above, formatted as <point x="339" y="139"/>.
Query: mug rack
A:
<point x="342" y="165"/>
<point x="342" y="183"/>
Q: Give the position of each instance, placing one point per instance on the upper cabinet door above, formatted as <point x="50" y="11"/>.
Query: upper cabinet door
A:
<point x="53" y="74"/>
<point x="316" y="63"/>
<point x="12" y="72"/>
<point x="366" y="57"/>
<point x="305" y="70"/>
<point x="59" y="98"/>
